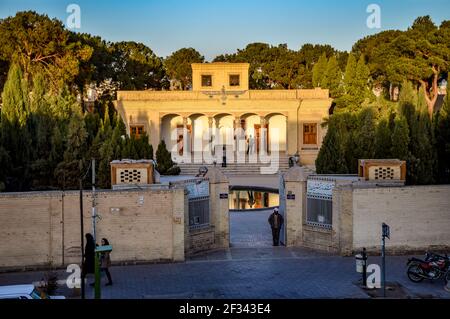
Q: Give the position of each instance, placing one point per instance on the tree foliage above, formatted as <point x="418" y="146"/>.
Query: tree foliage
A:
<point x="178" y="66"/>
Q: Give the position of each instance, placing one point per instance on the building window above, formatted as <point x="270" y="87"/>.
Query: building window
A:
<point x="234" y="80"/>
<point x="319" y="212"/>
<point x="137" y="130"/>
<point x="206" y="80"/>
<point x="310" y="133"/>
<point x="130" y="176"/>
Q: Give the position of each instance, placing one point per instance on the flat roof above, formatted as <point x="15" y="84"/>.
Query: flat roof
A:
<point x="16" y="289"/>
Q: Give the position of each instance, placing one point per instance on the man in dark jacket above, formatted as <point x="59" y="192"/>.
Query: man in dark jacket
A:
<point x="276" y="221"/>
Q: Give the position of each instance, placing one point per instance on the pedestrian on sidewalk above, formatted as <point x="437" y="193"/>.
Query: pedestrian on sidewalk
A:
<point x="105" y="262"/>
<point x="276" y="221"/>
<point x="88" y="266"/>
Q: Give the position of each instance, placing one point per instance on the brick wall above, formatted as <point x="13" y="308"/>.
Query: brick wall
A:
<point x="201" y="240"/>
<point x="419" y="217"/>
<point x="43" y="228"/>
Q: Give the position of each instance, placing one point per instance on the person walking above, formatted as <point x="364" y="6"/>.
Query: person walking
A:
<point x="88" y="266"/>
<point x="276" y="221"/>
<point x="105" y="262"/>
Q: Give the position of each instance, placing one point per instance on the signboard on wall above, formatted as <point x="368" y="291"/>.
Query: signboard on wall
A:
<point x="198" y="189"/>
<point x="320" y="189"/>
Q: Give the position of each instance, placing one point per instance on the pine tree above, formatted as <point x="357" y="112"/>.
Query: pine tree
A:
<point x="319" y="70"/>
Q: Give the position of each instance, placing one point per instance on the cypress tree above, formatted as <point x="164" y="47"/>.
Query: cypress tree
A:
<point x="333" y="78"/>
<point x="383" y="141"/>
<point x="163" y="159"/>
<point x="16" y="138"/>
<point x="330" y="159"/>
<point x="319" y="70"/>
<point x="442" y="129"/>
<point x="400" y="138"/>
<point x="350" y="74"/>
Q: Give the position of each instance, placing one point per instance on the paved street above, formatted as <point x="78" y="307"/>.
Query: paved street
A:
<point x="250" y="229"/>
<point x="247" y="273"/>
<point x="251" y="268"/>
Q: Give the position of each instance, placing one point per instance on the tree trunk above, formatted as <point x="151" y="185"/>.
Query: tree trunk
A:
<point x="431" y="97"/>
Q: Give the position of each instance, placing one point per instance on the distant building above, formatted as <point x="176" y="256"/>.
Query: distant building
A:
<point x="220" y="101"/>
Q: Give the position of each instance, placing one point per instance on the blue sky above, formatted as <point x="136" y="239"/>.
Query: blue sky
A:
<point x="214" y="27"/>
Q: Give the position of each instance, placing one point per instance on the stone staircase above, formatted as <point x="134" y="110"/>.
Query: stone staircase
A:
<point x="247" y="168"/>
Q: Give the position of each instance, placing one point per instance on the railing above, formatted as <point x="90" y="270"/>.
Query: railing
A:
<point x="203" y="95"/>
<point x="319" y="212"/>
<point x="199" y="212"/>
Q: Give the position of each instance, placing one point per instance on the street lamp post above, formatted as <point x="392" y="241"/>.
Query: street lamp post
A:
<point x="83" y="295"/>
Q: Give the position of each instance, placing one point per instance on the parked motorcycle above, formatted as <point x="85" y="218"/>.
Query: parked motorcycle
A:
<point x="433" y="267"/>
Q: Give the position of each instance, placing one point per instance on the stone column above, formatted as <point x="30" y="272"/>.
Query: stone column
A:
<point x="186" y="141"/>
<point x="219" y="206"/>
<point x="295" y="188"/>
<point x="211" y="134"/>
<point x="264" y="134"/>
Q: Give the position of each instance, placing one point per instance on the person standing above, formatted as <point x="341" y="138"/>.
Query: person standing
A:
<point x="251" y="144"/>
<point x="276" y="221"/>
<point x="105" y="262"/>
<point x="88" y="266"/>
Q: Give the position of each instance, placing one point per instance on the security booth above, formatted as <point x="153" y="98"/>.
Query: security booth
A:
<point x="98" y="251"/>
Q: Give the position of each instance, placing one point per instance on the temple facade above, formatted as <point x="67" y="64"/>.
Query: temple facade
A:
<point x="221" y="114"/>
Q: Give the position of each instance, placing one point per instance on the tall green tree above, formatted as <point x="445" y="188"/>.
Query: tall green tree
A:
<point x="15" y="135"/>
<point x="383" y="139"/>
<point x="178" y="65"/>
<point x="330" y="159"/>
<point x="40" y="44"/>
<point x="332" y="79"/>
<point x="400" y="138"/>
<point x="74" y="162"/>
<point x="319" y="71"/>
<point x="442" y="133"/>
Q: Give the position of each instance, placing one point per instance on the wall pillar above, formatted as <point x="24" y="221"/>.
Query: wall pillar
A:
<point x="295" y="191"/>
<point x="219" y="207"/>
<point x="343" y="219"/>
<point x="179" y="224"/>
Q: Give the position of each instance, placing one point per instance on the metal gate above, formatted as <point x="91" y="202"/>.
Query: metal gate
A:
<point x="198" y="197"/>
<point x="282" y="208"/>
<point x="319" y="202"/>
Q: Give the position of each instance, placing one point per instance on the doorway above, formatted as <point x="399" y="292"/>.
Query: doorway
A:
<point x="258" y="134"/>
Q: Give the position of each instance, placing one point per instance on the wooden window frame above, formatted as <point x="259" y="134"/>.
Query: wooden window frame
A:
<point x="203" y="83"/>
<point x="310" y="137"/>
<point x="139" y="130"/>
<point x="238" y="81"/>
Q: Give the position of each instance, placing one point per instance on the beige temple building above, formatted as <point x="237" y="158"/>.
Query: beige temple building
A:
<point x="220" y="102"/>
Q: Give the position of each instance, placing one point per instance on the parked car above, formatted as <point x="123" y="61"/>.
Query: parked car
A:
<point x="24" y="292"/>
